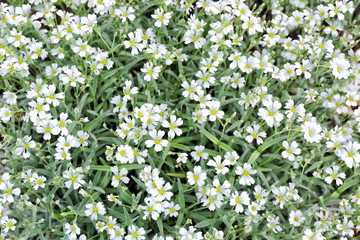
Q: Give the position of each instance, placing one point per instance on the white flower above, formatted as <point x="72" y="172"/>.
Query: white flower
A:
<point x="191" y="89"/>
<point x="151" y="71"/>
<point x="124" y="154"/>
<point x="72" y="230"/>
<point x="340" y="67"/>
<point x="119" y="175"/>
<point x="195" y="37"/>
<point x="38" y="181"/>
<point x="310" y="235"/>
<point x="199" y="153"/>
<point x="346" y="227"/>
<point x="62" y="154"/>
<point x="311" y="131"/>
<point x="182" y="158"/>
<point x="128" y="90"/>
<point x="94" y="209"/>
<point x="7" y="187"/>
<point x="157" y="140"/>
<point x="232" y="157"/>
<point x="190" y="234"/>
<point x="72" y="75"/>
<point x="161" y="17"/>
<point x="296" y="218"/>
<point x="292" y="110"/>
<point x="171" y="209"/>
<point x="152" y="208"/>
<point x="135" y="233"/>
<point x="48" y="128"/>
<point x="135" y="43"/>
<point x="10" y="98"/>
<point x="5" y="114"/>
<point x="24" y="145"/>
<point x="125" y="13"/>
<point x="273" y="224"/>
<point x="311" y="95"/>
<point x="74" y="176"/>
<point x="271" y="114"/>
<point x="199" y="116"/>
<point x="38" y="107"/>
<point x="334" y="175"/>
<point x="82" y="48"/>
<point x="255" y="134"/>
<point x="260" y="194"/>
<point x="8" y="223"/>
<point x="63" y="123"/>
<point x="237" y="60"/>
<point x="350" y="153"/>
<point x="219" y="166"/>
<point x="82" y="137"/>
<point x="197" y="177"/>
<point x="213" y="111"/>
<point x="290" y="150"/>
<point x="237" y="201"/>
<point x="245" y="173"/>
<point x="173" y="126"/>
<point x="252" y="23"/>
<point x="338" y="103"/>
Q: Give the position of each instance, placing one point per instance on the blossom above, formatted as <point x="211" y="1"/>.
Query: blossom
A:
<point x="220" y="166"/>
<point x="255" y="134"/>
<point x="173" y="125"/>
<point x="161" y="17"/>
<point x="74" y="177"/>
<point x="199" y="153"/>
<point x="151" y="71"/>
<point x="213" y="111"/>
<point x="271" y="114"/>
<point x="8" y="223"/>
<point x="9" y="191"/>
<point x="72" y="230"/>
<point x="135" y="233"/>
<point x="334" y="175"/>
<point x="340" y="68"/>
<point x="5" y="114"/>
<point x="171" y="209"/>
<point x="245" y="173"/>
<point x="296" y="218"/>
<point x="311" y="131"/>
<point x="197" y="177"/>
<point x="238" y="201"/>
<point x="156" y="140"/>
<point x="119" y="175"/>
<point x="93" y="209"/>
<point x="290" y="150"/>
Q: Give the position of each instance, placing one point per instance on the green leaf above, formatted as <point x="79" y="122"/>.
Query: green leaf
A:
<point x="263" y="147"/>
<point x="180" y="146"/>
<point x="254" y="156"/>
<point x="127" y="217"/>
<point x="182" y="204"/>
<point x="160" y="226"/>
<point x="97" y="121"/>
<point x="268" y="144"/>
<point x="107" y="168"/>
<point x="82" y="102"/>
<point x="126" y="197"/>
<point x="179" y="175"/>
<point x="206" y="223"/>
<point x="215" y="140"/>
<point x="343" y="188"/>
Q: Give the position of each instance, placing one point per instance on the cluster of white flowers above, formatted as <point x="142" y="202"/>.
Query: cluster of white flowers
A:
<point x="179" y="119"/>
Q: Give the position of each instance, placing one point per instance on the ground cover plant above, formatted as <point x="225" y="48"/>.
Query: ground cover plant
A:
<point x="175" y="119"/>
